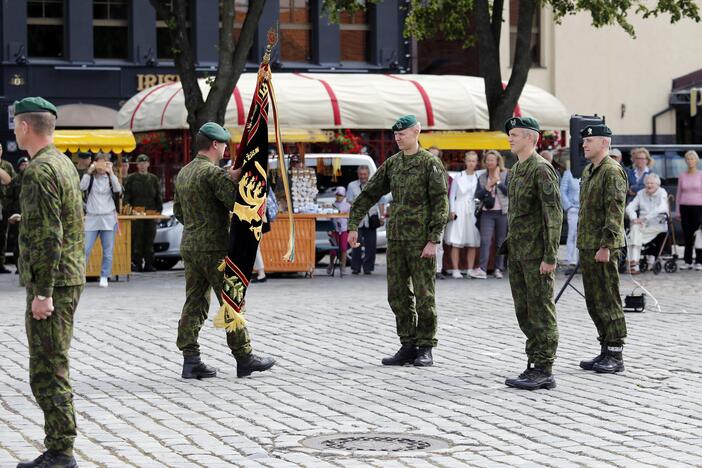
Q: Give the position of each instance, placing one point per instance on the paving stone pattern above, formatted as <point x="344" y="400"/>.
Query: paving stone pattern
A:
<point x="328" y="336"/>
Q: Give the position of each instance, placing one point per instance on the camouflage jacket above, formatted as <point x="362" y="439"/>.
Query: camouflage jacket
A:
<point x="204" y="196"/>
<point x="51" y="231"/>
<point x="602" y="202"/>
<point x="143" y="190"/>
<point x="4" y="196"/>
<point x="419" y="197"/>
<point x="535" y="213"/>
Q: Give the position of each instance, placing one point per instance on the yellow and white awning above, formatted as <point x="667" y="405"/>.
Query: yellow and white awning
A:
<point x="116" y="141"/>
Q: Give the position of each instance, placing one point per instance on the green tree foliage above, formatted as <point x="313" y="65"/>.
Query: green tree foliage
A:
<point x="451" y="19"/>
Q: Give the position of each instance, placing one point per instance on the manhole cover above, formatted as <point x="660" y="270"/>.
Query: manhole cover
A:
<point x="375" y="442"/>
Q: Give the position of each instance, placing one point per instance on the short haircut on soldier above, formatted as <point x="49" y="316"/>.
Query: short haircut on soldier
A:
<point x="42" y="123"/>
<point x="534" y="135"/>
<point x="202" y="143"/>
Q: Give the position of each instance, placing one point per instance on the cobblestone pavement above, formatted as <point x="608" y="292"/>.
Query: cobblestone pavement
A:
<point x="328" y="336"/>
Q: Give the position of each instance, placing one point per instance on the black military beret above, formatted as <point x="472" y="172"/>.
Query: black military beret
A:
<point x="596" y="130"/>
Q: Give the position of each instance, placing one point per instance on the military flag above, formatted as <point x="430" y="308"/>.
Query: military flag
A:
<point x="249" y="211"/>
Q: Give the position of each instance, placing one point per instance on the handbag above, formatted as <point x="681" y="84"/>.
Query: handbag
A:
<point x="479" y="204"/>
<point x="373" y="221"/>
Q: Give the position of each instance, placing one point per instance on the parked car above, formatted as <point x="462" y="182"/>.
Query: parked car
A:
<point x="167" y="241"/>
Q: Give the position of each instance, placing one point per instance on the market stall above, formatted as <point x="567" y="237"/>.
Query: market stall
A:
<point x="107" y="141"/>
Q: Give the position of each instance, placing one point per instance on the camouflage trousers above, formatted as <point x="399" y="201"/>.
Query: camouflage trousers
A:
<point x="143" y="234"/>
<point x="604" y="304"/>
<point x="411" y="292"/>
<point x="49" y="341"/>
<point x="201" y="278"/>
<point x="532" y="294"/>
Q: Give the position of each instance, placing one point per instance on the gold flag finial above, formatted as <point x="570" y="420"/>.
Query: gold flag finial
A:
<point x="272" y="41"/>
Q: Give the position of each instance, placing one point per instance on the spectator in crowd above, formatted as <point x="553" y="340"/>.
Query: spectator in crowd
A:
<point x="570" y="199"/>
<point x="647" y="215"/>
<point x="492" y="193"/>
<point x="124" y="167"/>
<point x="363" y="257"/>
<point x="462" y="230"/>
<point x="9" y="171"/>
<point x="642" y="162"/>
<point x="615" y="154"/>
<point x="100" y="186"/>
<point x="13" y="196"/>
<point x="548" y="156"/>
<point x="341" y="231"/>
<point x="689" y="208"/>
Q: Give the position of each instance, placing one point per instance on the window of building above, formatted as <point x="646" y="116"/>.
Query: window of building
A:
<point x="355" y="34"/>
<point x="111" y="29"/>
<point x="295" y="30"/>
<point x="535" y="34"/>
<point x="45" y="26"/>
<point x="164" y="45"/>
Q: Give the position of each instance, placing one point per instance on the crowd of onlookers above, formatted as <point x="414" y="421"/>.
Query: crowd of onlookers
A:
<point x="479" y="202"/>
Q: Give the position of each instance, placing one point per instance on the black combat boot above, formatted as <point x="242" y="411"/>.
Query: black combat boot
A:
<point x="405" y="355"/>
<point x="194" y="368"/>
<point x="424" y="358"/>
<point x="533" y="378"/>
<point x="612" y="362"/>
<point x="251" y="363"/>
<point x="587" y="365"/>
<point x="50" y="459"/>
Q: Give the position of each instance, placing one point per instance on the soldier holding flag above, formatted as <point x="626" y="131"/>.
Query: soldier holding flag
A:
<point x="204" y="195"/>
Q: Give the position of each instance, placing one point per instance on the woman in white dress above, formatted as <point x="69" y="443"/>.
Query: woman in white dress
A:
<point x="461" y="230"/>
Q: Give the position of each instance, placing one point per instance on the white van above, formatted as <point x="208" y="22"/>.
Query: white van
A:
<point x="326" y="187"/>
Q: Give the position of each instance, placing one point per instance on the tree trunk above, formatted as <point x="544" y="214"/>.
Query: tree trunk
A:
<point x="501" y="101"/>
<point x="232" y="59"/>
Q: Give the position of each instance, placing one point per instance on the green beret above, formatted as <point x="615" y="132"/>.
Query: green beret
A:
<point x="522" y="122"/>
<point x="404" y="122"/>
<point x="142" y="158"/>
<point x="85" y="155"/>
<point x="215" y="132"/>
<point x="34" y="104"/>
<point x="596" y="130"/>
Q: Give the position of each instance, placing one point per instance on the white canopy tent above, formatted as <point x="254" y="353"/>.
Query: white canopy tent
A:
<point x="357" y="101"/>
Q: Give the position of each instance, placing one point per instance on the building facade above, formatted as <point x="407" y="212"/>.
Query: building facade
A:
<point x="643" y="85"/>
<point x="92" y="55"/>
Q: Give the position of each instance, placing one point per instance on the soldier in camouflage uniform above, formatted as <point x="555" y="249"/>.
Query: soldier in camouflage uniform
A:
<point x="5" y="214"/>
<point x="534" y="222"/>
<point x="204" y="196"/>
<point x="84" y="162"/>
<point x="417" y="180"/>
<point x="600" y="238"/>
<point x="143" y="189"/>
<point x="52" y="266"/>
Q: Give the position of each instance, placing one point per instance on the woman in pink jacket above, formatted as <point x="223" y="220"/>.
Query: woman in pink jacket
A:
<point x="689" y="208"/>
